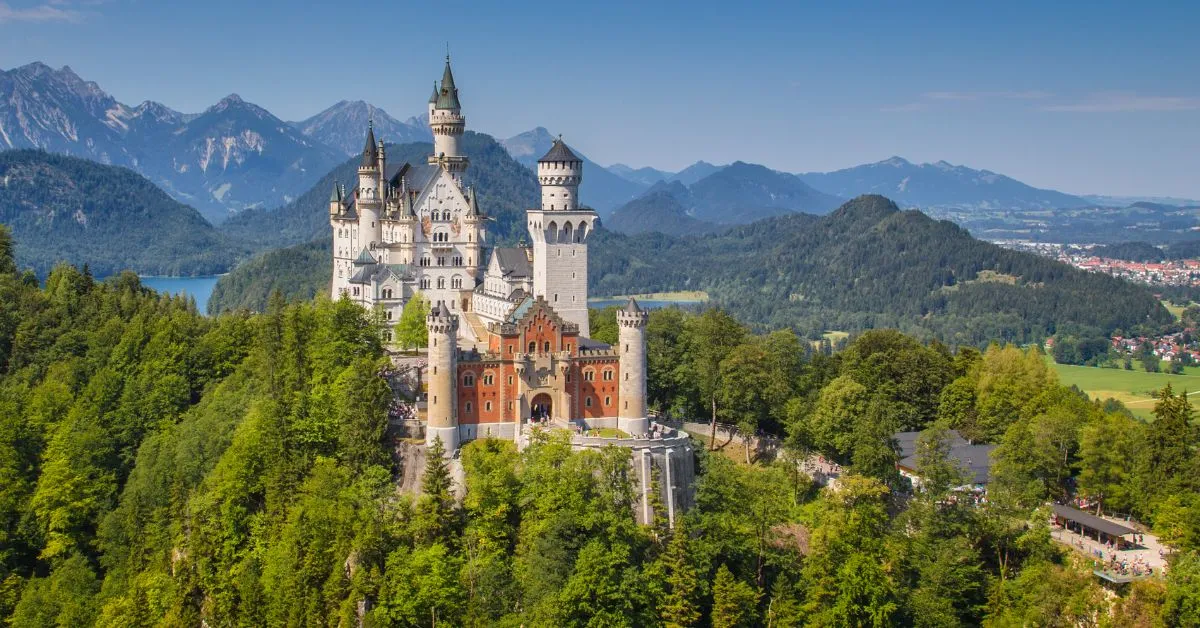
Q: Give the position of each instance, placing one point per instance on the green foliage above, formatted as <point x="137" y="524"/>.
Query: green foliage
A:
<point x="411" y="332"/>
<point x="734" y="601"/>
<point x="114" y="219"/>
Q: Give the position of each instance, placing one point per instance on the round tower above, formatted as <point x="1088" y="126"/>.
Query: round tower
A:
<point x="448" y="124"/>
<point x="369" y="200"/>
<point x="559" y="173"/>
<point x="631" y="415"/>
<point x="443" y="352"/>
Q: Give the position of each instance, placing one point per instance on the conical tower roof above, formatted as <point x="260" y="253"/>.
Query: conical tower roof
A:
<point x="371" y="150"/>
<point x="631" y="307"/>
<point x="559" y="152"/>
<point x="448" y="96"/>
<point x="434" y="98"/>
<point x="336" y="196"/>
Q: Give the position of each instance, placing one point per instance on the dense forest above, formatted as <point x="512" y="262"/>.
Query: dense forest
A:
<point x="163" y="468"/>
<point x="68" y="209"/>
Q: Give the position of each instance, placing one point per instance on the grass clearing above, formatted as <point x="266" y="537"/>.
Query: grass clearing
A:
<point x="1133" y="388"/>
<point x="1175" y="310"/>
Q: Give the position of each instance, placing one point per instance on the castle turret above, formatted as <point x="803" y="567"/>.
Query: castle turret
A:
<point x="335" y="201"/>
<point x="631" y="324"/>
<point x="560" y="172"/>
<point x="443" y="353"/>
<point x="559" y="229"/>
<point x="369" y="200"/>
<point x="448" y="124"/>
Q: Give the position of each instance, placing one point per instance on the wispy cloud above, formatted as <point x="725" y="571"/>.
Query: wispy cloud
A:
<point x="988" y="95"/>
<point x="927" y="100"/>
<point x="55" y="11"/>
<point x="1119" y="102"/>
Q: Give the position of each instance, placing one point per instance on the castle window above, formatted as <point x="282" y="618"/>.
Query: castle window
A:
<point x="608" y="375"/>
<point x="441" y="282"/>
<point x="456" y="282"/>
<point x="533" y="346"/>
<point x="626" y="405"/>
<point x="469" y="379"/>
<point x="467" y="407"/>
<point x="487" y="406"/>
<point x="510" y="380"/>
<point x="547" y="346"/>
<point x="588" y="402"/>
<point x="627" y="377"/>
<point x="355" y="290"/>
<point x="589" y="375"/>
<point x="435" y="370"/>
<point x="608" y="401"/>
<point x="387" y="336"/>
<point x="488" y="379"/>
<point x="389" y="315"/>
<point x="556" y="297"/>
<point x="425" y="283"/>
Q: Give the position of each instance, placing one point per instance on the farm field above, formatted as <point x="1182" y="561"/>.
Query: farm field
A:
<point x="1133" y="388"/>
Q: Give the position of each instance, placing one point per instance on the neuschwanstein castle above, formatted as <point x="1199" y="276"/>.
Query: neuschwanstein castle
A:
<point x="508" y="330"/>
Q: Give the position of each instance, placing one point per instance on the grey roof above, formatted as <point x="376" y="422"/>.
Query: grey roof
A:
<point x="336" y="196"/>
<point x="974" y="460"/>
<point x="588" y="343"/>
<point x="370" y="150"/>
<point x="434" y="98"/>
<point x="513" y="261"/>
<point x="415" y="177"/>
<point x="631" y="307"/>
<point x="1089" y="520"/>
<point x="364" y="258"/>
<point x="907" y="441"/>
<point x="472" y="202"/>
<point x="559" y="152"/>
<point x="448" y="96"/>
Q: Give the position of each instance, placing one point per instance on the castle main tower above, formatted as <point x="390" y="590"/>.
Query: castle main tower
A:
<point x="559" y="230"/>
<point x="443" y="373"/>
<point x="631" y="325"/>
<point x="448" y="124"/>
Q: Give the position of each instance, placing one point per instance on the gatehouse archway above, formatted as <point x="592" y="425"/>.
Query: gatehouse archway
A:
<point x="540" y="408"/>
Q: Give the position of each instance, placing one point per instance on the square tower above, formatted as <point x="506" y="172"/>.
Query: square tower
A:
<point x="559" y="232"/>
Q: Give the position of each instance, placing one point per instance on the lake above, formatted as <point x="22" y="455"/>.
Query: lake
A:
<point x="199" y="288"/>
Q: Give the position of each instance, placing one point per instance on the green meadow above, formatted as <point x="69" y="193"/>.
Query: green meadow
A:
<point x="1133" y="388"/>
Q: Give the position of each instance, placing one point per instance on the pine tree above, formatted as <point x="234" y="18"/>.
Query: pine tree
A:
<point x="434" y="516"/>
<point x="679" y="608"/>
<point x="733" y="601"/>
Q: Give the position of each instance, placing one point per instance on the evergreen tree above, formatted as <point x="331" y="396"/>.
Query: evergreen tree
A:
<point x="435" y="516"/>
<point x="734" y="602"/>
<point x="678" y="609"/>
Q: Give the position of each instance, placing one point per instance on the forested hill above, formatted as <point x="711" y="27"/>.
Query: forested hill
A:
<point x="870" y="265"/>
<point x="867" y="265"/>
<point x="505" y="188"/>
<point x="111" y="218"/>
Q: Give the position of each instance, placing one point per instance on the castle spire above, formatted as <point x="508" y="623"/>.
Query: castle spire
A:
<point x="434" y="98"/>
<point x="448" y="96"/>
<point x="371" y="150"/>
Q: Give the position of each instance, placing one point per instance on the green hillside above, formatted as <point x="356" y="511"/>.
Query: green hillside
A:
<point x="867" y="265"/>
<point x="111" y="218"/>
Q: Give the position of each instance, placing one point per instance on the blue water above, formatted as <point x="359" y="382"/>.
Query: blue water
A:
<point x="649" y="304"/>
<point x="199" y="288"/>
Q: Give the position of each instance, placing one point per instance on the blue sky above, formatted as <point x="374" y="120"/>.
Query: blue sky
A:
<point x="1086" y="97"/>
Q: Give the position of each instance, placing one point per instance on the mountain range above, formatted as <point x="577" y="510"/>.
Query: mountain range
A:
<point x="342" y="126"/>
<point x="939" y="185"/>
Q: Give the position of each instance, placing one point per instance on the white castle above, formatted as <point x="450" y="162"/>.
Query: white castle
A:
<point x="406" y="229"/>
<point x="509" y="344"/>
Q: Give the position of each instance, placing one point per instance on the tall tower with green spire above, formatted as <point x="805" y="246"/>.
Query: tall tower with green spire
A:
<point x="448" y="124"/>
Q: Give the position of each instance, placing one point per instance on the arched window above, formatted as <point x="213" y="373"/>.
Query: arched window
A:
<point x="533" y="346"/>
<point x="441" y="283"/>
<point x="589" y="375"/>
<point x="581" y="234"/>
<point x="456" y="282"/>
<point x="588" y="402"/>
<point x="467" y="407"/>
<point x="552" y="231"/>
<point x="425" y="283"/>
<point x="487" y="406"/>
<point x="547" y="346"/>
<point x="469" y="379"/>
<point x="568" y="232"/>
<point x="608" y="401"/>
